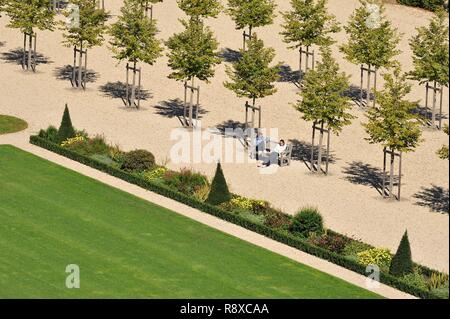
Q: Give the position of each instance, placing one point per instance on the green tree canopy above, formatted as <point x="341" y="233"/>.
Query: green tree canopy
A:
<point x="323" y="95"/>
<point x="430" y="51"/>
<point x="308" y="23"/>
<point x="200" y="8"/>
<point x="392" y="122"/>
<point x="28" y="15"/>
<point x="134" y="36"/>
<point x="251" y="13"/>
<point x="252" y="76"/>
<point x="193" y="52"/>
<point x="372" y="39"/>
<point x="91" y="28"/>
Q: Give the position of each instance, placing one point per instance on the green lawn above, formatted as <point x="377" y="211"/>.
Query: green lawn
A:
<point x="11" y="124"/>
<point x="126" y="247"/>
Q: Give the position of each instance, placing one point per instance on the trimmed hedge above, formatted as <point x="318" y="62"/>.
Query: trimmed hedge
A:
<point x="278" y="235"/>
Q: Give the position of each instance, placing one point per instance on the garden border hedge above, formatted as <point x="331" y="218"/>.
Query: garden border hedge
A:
<point x="277" y="235"/>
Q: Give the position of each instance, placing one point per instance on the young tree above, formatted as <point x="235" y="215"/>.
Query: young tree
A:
<point x="392" y="123"/>
<point x="402" y="263"/>
<point x="146" y="5"/>
<point x="324" y="102"/>
<point x="66" y="129"/>
<point x="134" y="38"/>
<point x="28" y="15"/>
<point x="219" y="192"/>
<point x="198" y="9"/>
<point x="251" y="13"/>
<point x="193" y="53"/>
<point x="308" y="24"/>
<point x="89" y="31"/>
<point x="431" y="55"/>
<point x="252" y="76"/>
<point x="372" y="40"/>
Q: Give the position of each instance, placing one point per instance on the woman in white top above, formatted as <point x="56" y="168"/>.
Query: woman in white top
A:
<point x="274" y="154"/>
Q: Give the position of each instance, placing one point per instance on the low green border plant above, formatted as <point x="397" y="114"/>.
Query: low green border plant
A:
<point x="281" y="236"/>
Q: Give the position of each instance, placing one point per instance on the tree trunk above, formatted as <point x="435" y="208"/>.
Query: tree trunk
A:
<point x="319" y="155"/>
<point x="30" y="45"/>
<point x="191" y="107"/>
<point x="80" y="67"/>
<point x="250" y="32"/>
<point x="391" y="174"/>
<point x="433" y="110"/>
<point x="133" y="85"/>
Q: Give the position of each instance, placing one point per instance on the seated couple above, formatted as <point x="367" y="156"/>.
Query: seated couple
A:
<point x="274" y="154"/>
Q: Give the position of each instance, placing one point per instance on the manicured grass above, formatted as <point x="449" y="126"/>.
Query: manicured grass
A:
<point x="128" y="248"/>
<point x="11" y="124"/>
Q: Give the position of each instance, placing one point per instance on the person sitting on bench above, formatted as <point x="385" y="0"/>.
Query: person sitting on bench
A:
<point x="274" y="154"/>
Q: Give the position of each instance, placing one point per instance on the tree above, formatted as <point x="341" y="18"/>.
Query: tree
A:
<point x="197" y="9"/>
<point x="134" y="38"/>
<point x="393" y="123"/>
<point x="251" y="13"/>
<point x="28" y="15"/>
<point x="219" y="192"/>
<point x="324" y="101"/>
<point x="66" y="129"/>
<point x="193" y="54"/>
<point x="402" y="263"/>
<point x="371" y="38"/>
<point x="308" y="24"/>
<point x="145" y="6"/>
<point x="431" y="55"/>
<point x="252" y="76"/>
<point x="89" y="32"/>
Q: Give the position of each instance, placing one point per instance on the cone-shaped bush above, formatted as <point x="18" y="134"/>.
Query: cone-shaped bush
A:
<point x="219" y="190"/>
<point x="66" y="129"/>
<point x="402" y="263"/>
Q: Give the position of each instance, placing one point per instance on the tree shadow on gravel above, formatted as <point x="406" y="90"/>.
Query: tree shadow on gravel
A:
<point x="301" y="151"/>
<point x="117" y="90"/>
<point x="230" y="55"/>
<point x="436" y="198"/>
<point x="288" y="75"/>
<point x="174" y="108"/>
<point x="65" y="74"/>
<point x="16" y="56"/>
<point x="364" y="174"/>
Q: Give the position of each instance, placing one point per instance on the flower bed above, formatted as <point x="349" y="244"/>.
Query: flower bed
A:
<point x="191" y="188"/>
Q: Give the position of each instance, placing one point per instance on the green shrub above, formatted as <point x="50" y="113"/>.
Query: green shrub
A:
<point x="276" y="219"/>
<point x="116" y="154"/>
<point x="185" y="181"/>
<point x="50" y="134"/>
<point x="219" y="189"/>
<point x="138" y="160"/>
<point x="308" y="220"/>
<point x="437" y="280"/>
<point x="91" y="146"/>
<point x="415" y="279"/>
<point x="66" y="129"/>
<point x="156" y="173"/>
<point x="102" y="159"/>
<point x="333" y="243"/>
<point x="201" y="193"/>
<point x="402" y="263"/>
<point x="425" y="4"/>
<point x="354" y="247"/>
<point x="256" y="206"/>
<point x="375" y="256"/>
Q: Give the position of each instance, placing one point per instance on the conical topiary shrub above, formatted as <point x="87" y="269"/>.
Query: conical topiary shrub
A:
<point x="402" y="263"/>
<point x="66" y="129"/>
<point x="219" y="192"/>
